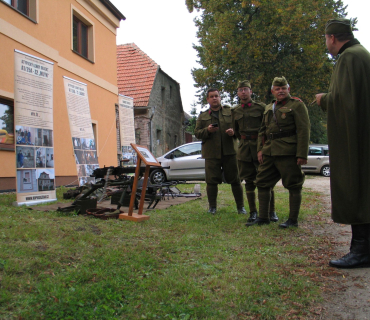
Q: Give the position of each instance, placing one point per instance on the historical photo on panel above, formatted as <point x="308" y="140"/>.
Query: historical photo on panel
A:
<point x="38" y="137"/>
<point x="25" y="135"/>
<point x="80" y="158"/>
<point x="45" y="179"/>
<point x="91" y="157"/>
<point x="81" y="171"/>
<point x="49" y="157"/>
<point x="25" y="157"/>
<point x="40" y="157"/>
<point x="88" y="144"/>
<point x="76" y="143"/>
<point x="47" y="138"/>
<point x="26" y="180"/>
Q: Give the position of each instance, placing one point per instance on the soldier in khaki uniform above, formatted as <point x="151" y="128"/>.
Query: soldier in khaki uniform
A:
<point x="286" y="132"/>
<point x="214" y="126"/>
<point x="247" y="122"/>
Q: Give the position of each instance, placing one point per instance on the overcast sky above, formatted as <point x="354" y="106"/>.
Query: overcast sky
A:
<point x="165" y="31"/>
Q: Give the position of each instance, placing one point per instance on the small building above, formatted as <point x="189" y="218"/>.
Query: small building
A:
<point x="158" y="111"/>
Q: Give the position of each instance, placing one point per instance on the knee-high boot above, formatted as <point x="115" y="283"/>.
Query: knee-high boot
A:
<point x="264" y="196"/>
<point x="295" y="199"/>
<point x="272" y="213"/>
<point x="359" y="254"/>
<point x="212" y="190"/>
<point x="237" y="191"/>
<point x="251" y="197"/>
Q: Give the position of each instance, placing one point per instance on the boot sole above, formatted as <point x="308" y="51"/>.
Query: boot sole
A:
<point x="362" y="265"/>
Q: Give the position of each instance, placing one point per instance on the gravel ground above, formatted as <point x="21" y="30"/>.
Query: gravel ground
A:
<point x="348" y="294"/>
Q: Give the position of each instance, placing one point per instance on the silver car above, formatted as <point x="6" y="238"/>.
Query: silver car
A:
<point x="318" y="160"/>
<point x="182" y="163"/>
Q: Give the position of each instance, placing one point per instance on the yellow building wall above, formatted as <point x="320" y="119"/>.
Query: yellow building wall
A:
<point x="50" y="39"/>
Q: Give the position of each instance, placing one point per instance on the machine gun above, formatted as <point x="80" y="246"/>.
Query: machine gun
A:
<point x="122" y="180"/>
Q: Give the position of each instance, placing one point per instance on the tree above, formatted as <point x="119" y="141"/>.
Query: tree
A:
<point x="261" y="39"/>
<point x="192" y="121"/>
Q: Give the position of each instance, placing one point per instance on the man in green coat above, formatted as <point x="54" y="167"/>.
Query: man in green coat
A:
<point x="282" y="149"/>
<point x="247" y="122"/>
<point x="215" y="128"/>
<point x="348" y="107"/>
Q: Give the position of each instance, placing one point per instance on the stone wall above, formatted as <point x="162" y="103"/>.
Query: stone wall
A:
<point x="167" y="123"/>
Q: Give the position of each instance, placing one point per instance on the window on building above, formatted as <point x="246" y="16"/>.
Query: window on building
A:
<point x="26" y="7"/>
<point x="6" y="125"/>
<point x="82" y="36"/>
<point x="137" y="136"/>
<point x="163" y="96"/>
<point x="159" y="134"/>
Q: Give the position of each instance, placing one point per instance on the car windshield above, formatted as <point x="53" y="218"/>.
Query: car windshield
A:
<point x="189" y="150"/>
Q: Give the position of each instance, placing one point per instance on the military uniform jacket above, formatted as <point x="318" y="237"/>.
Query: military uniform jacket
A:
<point x="291" y="115"/>
<point x="218" y="143"/>
<point x="348" y="109"/>
<point x="247" y="121"/>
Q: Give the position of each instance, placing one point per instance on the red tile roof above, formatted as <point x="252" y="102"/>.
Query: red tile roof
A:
<point x="135" y="73"/>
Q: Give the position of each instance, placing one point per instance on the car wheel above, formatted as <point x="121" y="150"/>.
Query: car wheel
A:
<point x="157" y="176"/>
<point x="325" y="171"/>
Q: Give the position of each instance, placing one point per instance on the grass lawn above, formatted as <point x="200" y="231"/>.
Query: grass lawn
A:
<point x="181" y="264"/>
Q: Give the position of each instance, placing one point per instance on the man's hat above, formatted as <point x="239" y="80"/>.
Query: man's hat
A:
<point x="279" y="82"/>
<point x="339" y="25"/>
<point x="244" y="83"/>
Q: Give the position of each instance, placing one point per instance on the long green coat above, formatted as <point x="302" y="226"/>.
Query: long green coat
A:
<point x="218" y="143"/>
<point x="348" y="107"/>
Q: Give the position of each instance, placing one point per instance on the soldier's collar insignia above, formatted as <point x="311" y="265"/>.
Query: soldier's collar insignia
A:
<point x="249" y="104"/>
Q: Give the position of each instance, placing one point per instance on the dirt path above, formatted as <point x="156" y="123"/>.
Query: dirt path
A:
<point x="347" y="295"/>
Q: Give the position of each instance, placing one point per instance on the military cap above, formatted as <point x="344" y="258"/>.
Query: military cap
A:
<point x="244" y="83"/>
<point x="339" y="25"/>
<point x="279" y="82"/>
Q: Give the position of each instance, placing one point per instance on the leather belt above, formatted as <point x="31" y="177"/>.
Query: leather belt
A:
<point x="249" y="137"/>
<point x="282" y="134"/>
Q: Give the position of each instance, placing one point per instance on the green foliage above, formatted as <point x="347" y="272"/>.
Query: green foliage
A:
<point x="192" y="122"/>
<point x="318" y="124"/>
<point x="261" y="39"/>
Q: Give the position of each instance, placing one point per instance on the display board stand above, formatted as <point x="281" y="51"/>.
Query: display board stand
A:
<point x="144" y="155"/>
